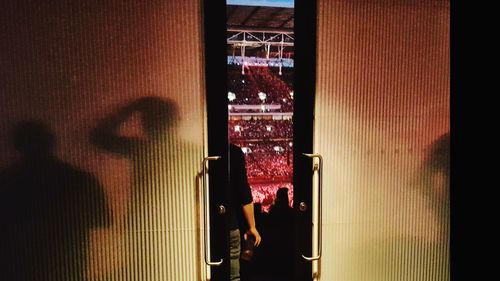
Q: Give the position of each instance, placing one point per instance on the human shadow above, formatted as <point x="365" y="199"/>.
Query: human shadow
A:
<point x="435" y="177"/>
<point x="157" y="156"/>
<point x="47" y="209"/>
<point x="414" y="255"/>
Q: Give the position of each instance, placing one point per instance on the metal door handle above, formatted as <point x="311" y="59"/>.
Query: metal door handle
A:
<point x="320" y="210"/>
<point x="206" y="212"/>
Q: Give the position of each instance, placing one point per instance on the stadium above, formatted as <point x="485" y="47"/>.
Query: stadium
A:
<point x="260" y="55"/>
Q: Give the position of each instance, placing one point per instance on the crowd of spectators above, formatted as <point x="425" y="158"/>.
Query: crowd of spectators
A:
<point x="269" y="166"/>
<point x="265" y="194"/>
<point x="261" y="79"/>
<point x="268" y="159"/>
<point x="260" y="129"/>
<point x="266" y="142"/>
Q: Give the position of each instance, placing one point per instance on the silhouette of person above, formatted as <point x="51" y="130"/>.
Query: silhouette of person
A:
<point x="241" y="205"/>
<point x="155" y="160"/>
<point x="47" y="208"/>
<point x="281" y="246"/>
<point x="436" y="176"/>
<point x="413" y="254"/>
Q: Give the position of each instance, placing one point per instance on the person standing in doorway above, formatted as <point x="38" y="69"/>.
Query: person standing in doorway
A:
<point x="241" y="207"/>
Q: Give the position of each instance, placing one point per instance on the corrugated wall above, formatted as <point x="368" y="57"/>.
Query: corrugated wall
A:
<point x="72" y="64"/>
<point x="382" y="126"/>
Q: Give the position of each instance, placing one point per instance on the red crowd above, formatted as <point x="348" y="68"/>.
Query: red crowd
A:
<point x="261" y="79"/>
<point x="267" y="140"/>
<point x="260" y="129"/>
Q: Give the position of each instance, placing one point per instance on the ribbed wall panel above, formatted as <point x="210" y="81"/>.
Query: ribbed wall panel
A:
<point x="73" y="63"/>
<point x="382" y="101"/>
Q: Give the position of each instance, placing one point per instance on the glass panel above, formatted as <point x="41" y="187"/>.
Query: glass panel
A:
<point x="71" y="210"/>
<point x="260" y="62"/>
<point x="260" y="95"/>
<point x="382" y="123"/>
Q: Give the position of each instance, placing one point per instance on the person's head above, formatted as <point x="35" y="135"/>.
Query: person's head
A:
<point x="282" y="197"/>
<point x="33" y="139"/>
<point x="159" y="115"/>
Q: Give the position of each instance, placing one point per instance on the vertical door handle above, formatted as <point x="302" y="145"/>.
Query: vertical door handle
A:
<point x="320" y="210"/>
<point x="206" y="213"/>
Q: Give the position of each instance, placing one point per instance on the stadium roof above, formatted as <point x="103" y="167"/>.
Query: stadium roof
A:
<point x="260" y="17"/>
<point x="269" y="3"/>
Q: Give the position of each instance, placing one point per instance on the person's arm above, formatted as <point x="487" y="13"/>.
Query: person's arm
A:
<point x="245" y="200"/>
<point x="250" y="218"/>
<point x="105" y="135"/>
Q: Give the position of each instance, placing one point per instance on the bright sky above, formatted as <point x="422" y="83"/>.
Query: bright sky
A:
<point x="268" y="3"/>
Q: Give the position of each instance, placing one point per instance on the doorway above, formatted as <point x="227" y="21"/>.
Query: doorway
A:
<point x="268" y="114"/>
<point x="260" y="82"/>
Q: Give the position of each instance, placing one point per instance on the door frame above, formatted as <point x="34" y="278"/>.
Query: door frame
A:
<point x="214" y="27"/>
<point x="303" y="125"/>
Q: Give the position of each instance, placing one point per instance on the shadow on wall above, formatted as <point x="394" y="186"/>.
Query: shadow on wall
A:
<point x="47" y="210"/>
<point x="435" y="177"/>
<point x="157" y="155"/>
<point x="67" y="62"/>
<point x="409" y="256"/>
